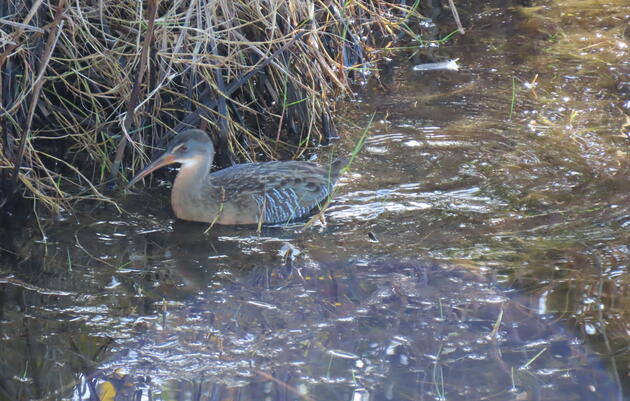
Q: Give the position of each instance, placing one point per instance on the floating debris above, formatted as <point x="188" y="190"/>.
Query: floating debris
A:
<point x="442" y="65"/>
<point x="288" y="252"/>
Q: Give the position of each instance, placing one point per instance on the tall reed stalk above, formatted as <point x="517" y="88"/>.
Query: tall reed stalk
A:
<point x="90" y="89"/>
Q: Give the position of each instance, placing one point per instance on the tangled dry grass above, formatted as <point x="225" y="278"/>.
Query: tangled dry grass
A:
<point x="89" y="89"/>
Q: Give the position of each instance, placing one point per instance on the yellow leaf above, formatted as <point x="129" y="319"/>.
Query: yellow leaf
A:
<point x="106" y="391"/>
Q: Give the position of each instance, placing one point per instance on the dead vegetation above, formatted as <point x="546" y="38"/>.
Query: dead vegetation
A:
<point x="89" y="89"/>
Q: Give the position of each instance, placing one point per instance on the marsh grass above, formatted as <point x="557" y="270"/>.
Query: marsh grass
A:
<point x="89" y="90"/>
<point x="355" y="151"/>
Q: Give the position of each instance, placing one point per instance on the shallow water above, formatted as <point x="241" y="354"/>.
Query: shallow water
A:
<point x="477" y="249"/>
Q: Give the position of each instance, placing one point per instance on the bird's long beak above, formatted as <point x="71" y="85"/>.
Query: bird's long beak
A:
<point x="160" y="162"/>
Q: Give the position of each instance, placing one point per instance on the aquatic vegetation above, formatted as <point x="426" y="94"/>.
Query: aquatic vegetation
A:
<point x="90" y="90"/>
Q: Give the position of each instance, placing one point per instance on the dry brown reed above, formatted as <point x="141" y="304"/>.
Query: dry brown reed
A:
<point x="89" y="89"/>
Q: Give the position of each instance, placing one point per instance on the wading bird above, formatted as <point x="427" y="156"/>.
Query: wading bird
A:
<point x="251" y="193"/>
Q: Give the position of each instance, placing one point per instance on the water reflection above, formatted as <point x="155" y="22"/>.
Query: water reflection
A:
<point x="383" y="329"/>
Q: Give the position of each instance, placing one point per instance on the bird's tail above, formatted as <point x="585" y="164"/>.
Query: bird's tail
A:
<point x="337" y="166"/>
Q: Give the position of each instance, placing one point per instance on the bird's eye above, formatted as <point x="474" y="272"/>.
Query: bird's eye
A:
<point x="182" y="149"/>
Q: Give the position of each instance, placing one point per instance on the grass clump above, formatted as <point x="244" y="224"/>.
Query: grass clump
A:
<point x="91" y="88"/>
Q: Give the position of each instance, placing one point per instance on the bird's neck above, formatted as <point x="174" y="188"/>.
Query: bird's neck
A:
<point x="187" y="197"/>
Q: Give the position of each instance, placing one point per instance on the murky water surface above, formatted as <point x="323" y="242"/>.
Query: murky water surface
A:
<point x="477" y="250"/>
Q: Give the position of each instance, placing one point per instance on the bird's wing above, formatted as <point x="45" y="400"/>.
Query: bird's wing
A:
<point x="284" y="190"/>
